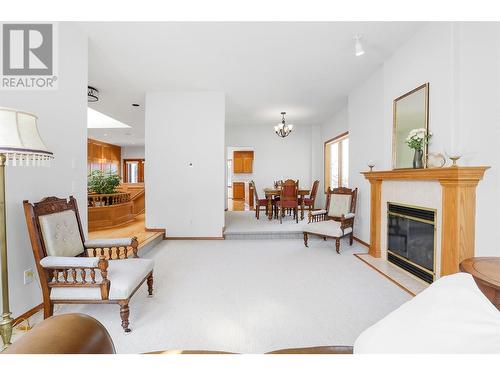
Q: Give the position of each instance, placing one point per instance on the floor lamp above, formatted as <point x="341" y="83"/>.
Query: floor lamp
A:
<point x="20" y="145"/>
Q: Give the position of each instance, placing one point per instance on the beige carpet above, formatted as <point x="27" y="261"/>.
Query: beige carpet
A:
<point x="251" y="296"/>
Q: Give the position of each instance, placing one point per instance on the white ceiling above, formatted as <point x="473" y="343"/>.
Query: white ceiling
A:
<point x="304" y="68"/>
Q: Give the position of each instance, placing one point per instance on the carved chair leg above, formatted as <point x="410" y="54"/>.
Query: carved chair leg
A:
<point x="337" y="245"/>
<point x="305" y="239"/>
<point x="150" y="285"/>
<point x="48" y="310"/>
<point x="124" y="314"/>
<point x="257" y="212"/>
<point x="324" y="238"/>
<point x="351" y="238"/>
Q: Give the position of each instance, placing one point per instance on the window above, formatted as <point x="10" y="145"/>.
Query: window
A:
<point x="337" y="162"/>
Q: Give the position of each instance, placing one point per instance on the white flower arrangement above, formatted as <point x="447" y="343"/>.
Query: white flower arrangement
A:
<point x="418" y="138"/>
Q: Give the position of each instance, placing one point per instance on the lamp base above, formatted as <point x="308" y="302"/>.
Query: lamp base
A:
<point x="6" y="329"/>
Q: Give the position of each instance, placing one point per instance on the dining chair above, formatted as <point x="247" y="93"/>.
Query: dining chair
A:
<point x="309" y="202"/>
<point x="258" y="202"/>
<point x="289" y="199"/>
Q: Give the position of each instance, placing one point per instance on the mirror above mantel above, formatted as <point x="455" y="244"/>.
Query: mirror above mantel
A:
<point x="410" y="111"/>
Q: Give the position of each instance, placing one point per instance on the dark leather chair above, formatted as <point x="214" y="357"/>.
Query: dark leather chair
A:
<point x="65" y="334"/>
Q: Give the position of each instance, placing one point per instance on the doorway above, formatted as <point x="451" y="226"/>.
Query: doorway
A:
<point x="133" y="171"/>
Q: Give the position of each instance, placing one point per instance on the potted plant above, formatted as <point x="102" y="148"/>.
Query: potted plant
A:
<point x="417" y="139"/>
<point x="99" y="182"/>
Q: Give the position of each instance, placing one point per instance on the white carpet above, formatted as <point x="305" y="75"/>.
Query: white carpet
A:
<point x="245" y="222"/>
<point x="251" y="296"/>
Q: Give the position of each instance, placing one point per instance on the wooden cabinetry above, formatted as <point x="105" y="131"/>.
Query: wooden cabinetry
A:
<point x="238" y="190"/>
<point x="103" y="156"/>
<point x="243" y="161"/>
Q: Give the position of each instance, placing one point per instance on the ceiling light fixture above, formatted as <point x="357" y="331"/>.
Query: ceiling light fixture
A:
<point x="358" y="47"/>
<point x="92" y="94"/>
<point x="283" y="129"/>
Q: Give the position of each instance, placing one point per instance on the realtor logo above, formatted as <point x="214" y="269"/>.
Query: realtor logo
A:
<point x="28" y="56"/>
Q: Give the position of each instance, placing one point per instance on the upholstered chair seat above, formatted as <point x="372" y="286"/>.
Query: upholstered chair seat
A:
<point x="125" y="276"/>
<point x="328" y="228"/>
<point x="262" y="202"/>
<point x="286" y="204"/>
<point x="308" y="201"/>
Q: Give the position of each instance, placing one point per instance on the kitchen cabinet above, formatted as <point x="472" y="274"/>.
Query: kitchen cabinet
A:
<point x="238" y="190"/>
<point x="243" y="161"/>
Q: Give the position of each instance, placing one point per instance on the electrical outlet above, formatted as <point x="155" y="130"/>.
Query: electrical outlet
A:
<point x="28" y="276"/>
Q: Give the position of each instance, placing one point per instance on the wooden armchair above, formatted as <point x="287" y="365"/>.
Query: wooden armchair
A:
<point x="336" y="220"/>
<point x="75" y="271"/>
<point x="288" y="199"/>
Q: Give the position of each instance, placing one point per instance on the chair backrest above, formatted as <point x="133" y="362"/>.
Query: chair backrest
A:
<point x="314" y="190"/>
<point x="289" y="190"/>
<point x="341" y="201"/>
<point x="54" y="227"/>
<point x="255" y="193"/>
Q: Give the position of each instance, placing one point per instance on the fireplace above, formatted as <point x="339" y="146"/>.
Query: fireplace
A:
<point x="411" y="239"/>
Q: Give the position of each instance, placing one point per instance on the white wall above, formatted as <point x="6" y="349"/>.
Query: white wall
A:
<point x="133" y="152"/>
<point x="275" y="158"/>
<point x="332" y="128"/>
<point x="62" y="123"/>
<point x="478" y="116"/>
<point x="367" y="141"/>
<point x="183" y="128"/>
<point x="461" y="61"/>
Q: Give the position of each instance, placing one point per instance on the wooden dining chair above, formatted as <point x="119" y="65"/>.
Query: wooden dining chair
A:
<point x="289" y="199"/>
<point x="258" y="202"/>
<point x="309" y="202"/>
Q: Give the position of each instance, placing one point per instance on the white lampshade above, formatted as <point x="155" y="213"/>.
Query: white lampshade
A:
<point x="20" y="140"/>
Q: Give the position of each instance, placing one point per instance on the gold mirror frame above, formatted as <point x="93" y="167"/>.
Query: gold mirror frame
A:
<point x="424" y="87"/>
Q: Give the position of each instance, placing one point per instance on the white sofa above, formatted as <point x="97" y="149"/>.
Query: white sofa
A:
<point x="451" y="316"/>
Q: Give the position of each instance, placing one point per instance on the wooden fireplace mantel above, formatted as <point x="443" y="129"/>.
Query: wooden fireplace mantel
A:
<point x="458" y="185"/>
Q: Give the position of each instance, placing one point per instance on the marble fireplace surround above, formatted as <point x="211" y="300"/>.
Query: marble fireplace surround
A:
<point x="451" y="191"/>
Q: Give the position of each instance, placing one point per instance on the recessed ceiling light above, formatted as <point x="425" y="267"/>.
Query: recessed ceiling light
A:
<point x="358" y="47"/>
<point x="135" y="105"/>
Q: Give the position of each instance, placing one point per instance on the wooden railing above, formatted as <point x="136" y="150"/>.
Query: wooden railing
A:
<point x="110" y="210"/>
<point x="100" y="200"/>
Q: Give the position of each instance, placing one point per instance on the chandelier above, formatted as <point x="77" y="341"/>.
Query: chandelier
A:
<point x="92" y="94"/>
<point x="283" y="129"/>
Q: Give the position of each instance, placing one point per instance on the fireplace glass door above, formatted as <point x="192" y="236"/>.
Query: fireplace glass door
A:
<point x="411" y="234"/>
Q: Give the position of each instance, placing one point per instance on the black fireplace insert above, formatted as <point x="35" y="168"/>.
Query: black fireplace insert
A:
<point x="411" y="239"/>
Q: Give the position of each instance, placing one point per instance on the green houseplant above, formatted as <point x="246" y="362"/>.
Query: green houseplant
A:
<point x="102" y="183"/>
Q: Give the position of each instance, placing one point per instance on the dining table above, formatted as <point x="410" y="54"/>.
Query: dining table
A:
<point x="270" y="193"/>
